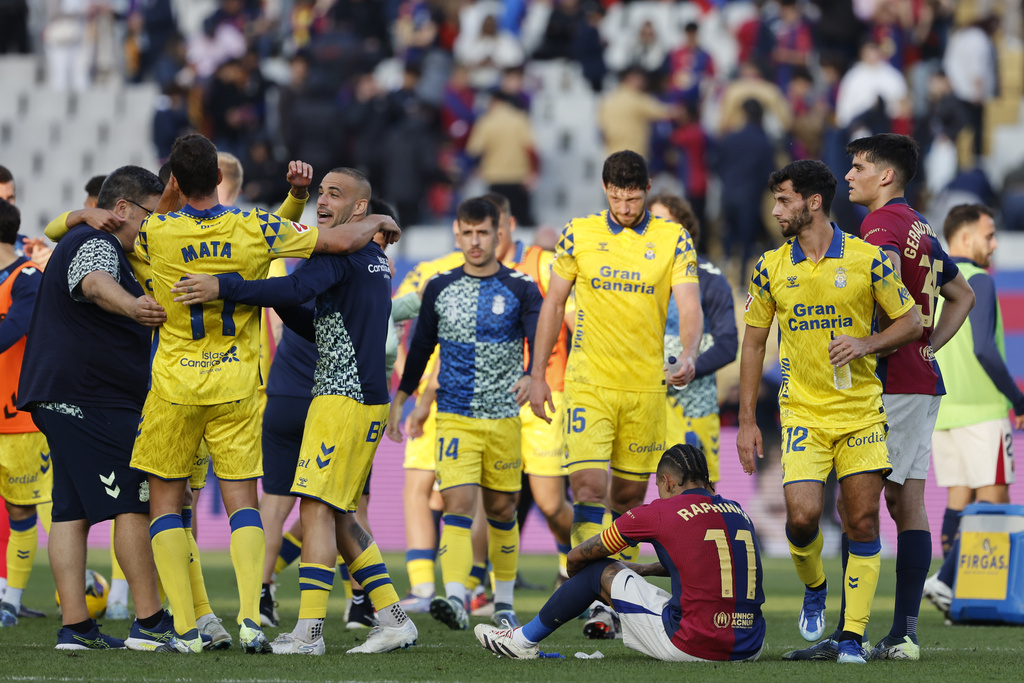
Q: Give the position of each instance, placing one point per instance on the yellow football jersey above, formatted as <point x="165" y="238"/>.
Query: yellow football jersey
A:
<point x="814" y="302"/>
<point x="624" y="278"/>
<point x="209" y="353"/>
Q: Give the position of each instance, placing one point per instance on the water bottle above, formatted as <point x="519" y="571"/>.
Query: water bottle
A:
<point x="673" y="365"/>
<point x="841" y="377"/>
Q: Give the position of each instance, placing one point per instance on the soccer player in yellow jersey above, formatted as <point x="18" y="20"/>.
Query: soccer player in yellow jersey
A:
<point x="205" y="372"/>
<point x="625" y="265"/>
<point x="823" y="286"/>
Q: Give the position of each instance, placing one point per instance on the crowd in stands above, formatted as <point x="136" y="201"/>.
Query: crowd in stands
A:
<point x="398" y="87"/>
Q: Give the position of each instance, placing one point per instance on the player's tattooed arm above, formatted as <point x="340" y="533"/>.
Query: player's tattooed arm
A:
<point x="652" y="569"/>
<point x="586" y="552"/>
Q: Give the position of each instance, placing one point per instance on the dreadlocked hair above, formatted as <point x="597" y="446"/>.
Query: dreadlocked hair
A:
<point x="686" y="462"/>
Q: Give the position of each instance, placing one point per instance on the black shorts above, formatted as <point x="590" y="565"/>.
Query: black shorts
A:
<point x="91" y="453"/>
<point x="283" y="422"/>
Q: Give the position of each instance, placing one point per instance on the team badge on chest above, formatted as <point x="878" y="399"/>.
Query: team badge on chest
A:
<point x="498" y="305"/>
<point x="840" y="277"/>
<point x="649" y="254"/>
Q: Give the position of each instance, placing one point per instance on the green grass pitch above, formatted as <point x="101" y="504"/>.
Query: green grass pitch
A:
<point x="949" y="653"/>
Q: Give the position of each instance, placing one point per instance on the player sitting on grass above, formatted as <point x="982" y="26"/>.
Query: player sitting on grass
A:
<point x="708" y="547"/>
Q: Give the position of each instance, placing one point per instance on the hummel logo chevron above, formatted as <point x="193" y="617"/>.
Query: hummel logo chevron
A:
<point x="322" y="463"/>
<point x="853" y="581"/>
<point x="107" y="481"/>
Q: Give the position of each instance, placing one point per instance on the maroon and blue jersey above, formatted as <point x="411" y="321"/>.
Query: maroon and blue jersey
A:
<point x="924" y="268"/>
<point x="709" y="547"/>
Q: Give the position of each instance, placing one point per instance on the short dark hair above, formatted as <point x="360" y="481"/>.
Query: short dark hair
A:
<point x="898" y="152"/>
<point x="500" y="201"/>
<point x="133" y="183"/>
<point x="687" y="463"/>
<point x="680" y="209"/>
<point x="753" y="110"/>
<point x="92" y="188"/>
<point x="626" y="170"/>
<point x="961" y="216"/>
<point x="10" y="221"/>
<point x="383" y="208"/>
<point x="360" y="177"/>
<point x="477" y="210"/>
<point x="809" y="177"/>
<point x="193" y="162"/>
<point x="5" y="175"/>
<point x="164" y="173"/>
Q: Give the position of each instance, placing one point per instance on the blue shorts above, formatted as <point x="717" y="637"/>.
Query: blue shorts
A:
<point x="283" y="422"/>
<point x="91" y="452"/>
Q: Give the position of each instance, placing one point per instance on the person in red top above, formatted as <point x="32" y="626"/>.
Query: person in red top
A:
<point x="911" y="381"/>
<point x="705" y="544"/>
<point x="26" y="474"/>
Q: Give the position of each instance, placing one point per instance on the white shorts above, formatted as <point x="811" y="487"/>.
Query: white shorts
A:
<point x="911" y="422"/>
<point x="975" y="455"/>
<point x="639" y="606"/>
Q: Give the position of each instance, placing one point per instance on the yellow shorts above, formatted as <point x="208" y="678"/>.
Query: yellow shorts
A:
<point x="808" y="454"/>
<point x="621" y="428"/>
<point x="200" y="467"/>
<point x="338" y="445"/>
<point x="702" y="432"/>
<point x="169" y="437"/>
<point x="480" y="452"/>
<point x="419" y="453"/>
<point x="26" y="472"/>
<point x="543" y="443"/>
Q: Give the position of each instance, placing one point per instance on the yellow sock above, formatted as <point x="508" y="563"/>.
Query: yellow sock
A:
<point x="808" y="561"/>
<point x="172" y="556"/>
<point x="860" y="583"/>
<point x="420" y="566"/>
<point x="21" y="551"/>
<point x="291" y="547"/>
<point x="315" y="583"/>
<point x="631" y="552"/>
<point x="371" y="573"/>
<point x="503" y="549"/>
<point x="200" y="599"/>
<point x="346" y="577"/>
<point x="115" y="569"/>
<point x="248" y="548"/>
<point x="587" y="521"/>
<point x="45" y="513"/>
<point x="456" y="550"/>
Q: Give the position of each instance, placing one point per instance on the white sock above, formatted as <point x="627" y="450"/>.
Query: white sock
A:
<point x="503" y="592"/>
<point x="308" y="630"/>
<point x="423" y="590"/>
<point x="392" y="615"/>
<point x="519" y="639"/>
<point x="118" y="592"/>
<point x="454" y="589"/>
<point x="3" y="586"/>
<point x="13" y="597"/>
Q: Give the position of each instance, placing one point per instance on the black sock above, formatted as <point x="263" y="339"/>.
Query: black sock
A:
<point x="82" y="627"/>
<point x="358" y="597"/>
<point x="150" y="622"/>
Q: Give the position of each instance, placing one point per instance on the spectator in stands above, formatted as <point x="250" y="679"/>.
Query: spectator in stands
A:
<point x="935" y="19"/>
<point x="213" y="46"/>
<point x="751" y="84"/>
<point x="970" y="64"/>
<point x="564" y="22"/>
<point x="792" y="42"/>
<point x="690" y="67"/>
<point x="234" y="105"/>
<point x="891" y="31"/>
<point x="158" y="25"/>
<point x="838" y="30"/>
<point x="67" y="50"/>
<point x="588" y="46"/>
<point x="503" y="141"/>
<point x="868" y="80"/>
<point x="263" y="183"/>
<point x="367" y="119"/>
<point x="810" y="114"/>
<point x="14" y="27"/>
<point x="366" y="19"/>
<point x="170" y="120"/>
<point x="487" y="53"/>
<point x="410" y="160"/>
<point x="690" y="143"/>
<point x="625" y="115"/>
<point x="645" y="52"/>
<point x="742" y="160"/>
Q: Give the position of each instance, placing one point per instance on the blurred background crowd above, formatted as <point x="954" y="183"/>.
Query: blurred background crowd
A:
<point x="438" y="99"/>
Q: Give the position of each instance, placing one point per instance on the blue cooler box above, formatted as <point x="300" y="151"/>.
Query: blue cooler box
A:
<point x="990" y="572"/>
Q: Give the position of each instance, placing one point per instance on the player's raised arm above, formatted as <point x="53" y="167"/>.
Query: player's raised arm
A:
<point x="748" y="438"/>
<point x="100" y="219"/>
<point x="299" y="176"/>
<point x="549" y="322"/>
